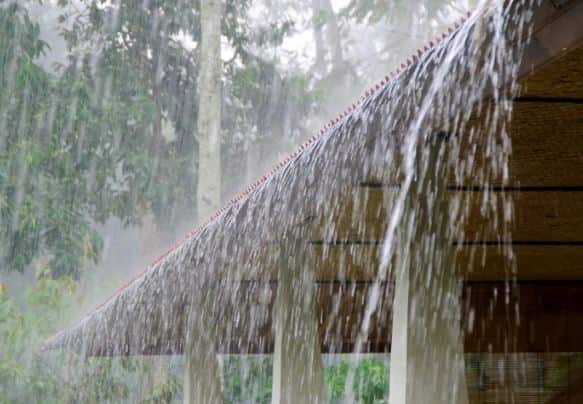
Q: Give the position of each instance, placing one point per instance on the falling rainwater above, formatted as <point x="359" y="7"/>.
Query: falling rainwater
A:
<point x="439" y="122"/>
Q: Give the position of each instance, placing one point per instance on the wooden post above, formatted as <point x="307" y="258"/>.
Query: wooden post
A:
<point x="427" y="361"/>
<point x="298" y="375"/>
<point x="202" y="375"/>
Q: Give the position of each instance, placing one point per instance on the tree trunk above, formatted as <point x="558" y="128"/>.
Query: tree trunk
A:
<point x="202" y="384"/>
<point x="209" y="114"/>
<point x="317" y="24"/>
<point x="323" y="16"/>
<point x="333" y="33"/>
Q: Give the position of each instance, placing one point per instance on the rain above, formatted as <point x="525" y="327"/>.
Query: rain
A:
<point x="274" y="201"/>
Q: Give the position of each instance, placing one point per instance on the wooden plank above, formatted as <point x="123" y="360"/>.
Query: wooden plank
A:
<point x="538" y="215"/>
<point x="547" y="231"/>
<point x="546" y="146"/>
<point x="549" y="11"/>
<point x="477" y="261"/>
<point x="543" y="214"/>
<point x="555" y="34"/>
<point x="575" y="324"/>
<point x="542" y="323"/>
<point x="559" y="79"/>
<point x="524" y="317"/>
<point x="533" y="262"/>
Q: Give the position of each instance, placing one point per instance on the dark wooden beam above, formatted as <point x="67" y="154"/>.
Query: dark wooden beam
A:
<point x="549" y="100"/>
<point x="498" y="317"/>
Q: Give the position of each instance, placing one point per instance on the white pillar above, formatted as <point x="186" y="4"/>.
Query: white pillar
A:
<point x="427" y="361"/>
<point x="202" y="375"/>
<point x="298" y="375"/>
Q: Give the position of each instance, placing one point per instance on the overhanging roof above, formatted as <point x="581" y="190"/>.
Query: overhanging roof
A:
<point x="336" y="184"/>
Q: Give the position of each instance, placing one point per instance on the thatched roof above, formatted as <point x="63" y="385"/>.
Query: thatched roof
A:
<point x="331" y="191"/>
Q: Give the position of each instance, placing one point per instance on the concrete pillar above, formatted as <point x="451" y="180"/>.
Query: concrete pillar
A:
<point x="298" y="375"/>
<point x="427" y="361"/>
<point x="202" y="375"/>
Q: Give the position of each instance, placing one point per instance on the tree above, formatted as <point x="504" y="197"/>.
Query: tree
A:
<point x="144" y="57"/>
<point x="208" y="378"/>
<point x="143" y="81"/>
<point x="323" y="16"/>
<point x="43" y="200"/>
<point x="209" y="115"/>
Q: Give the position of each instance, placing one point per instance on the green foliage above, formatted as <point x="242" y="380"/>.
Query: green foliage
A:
<point x="165" y="392"/>
<point x="114" y="134"/>
<point x="42" y="203"/>
<point x="28" y="375"/>
<point x="336" y="380"/>
<point x="23" y="326"/>
<point x="371" y="381"/>
<point x="247" y="379"/>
